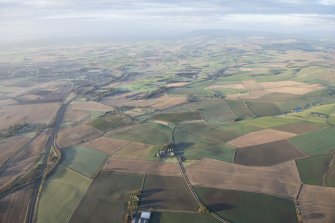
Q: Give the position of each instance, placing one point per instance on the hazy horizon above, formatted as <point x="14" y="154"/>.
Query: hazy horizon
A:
<point x="46" y="19"/>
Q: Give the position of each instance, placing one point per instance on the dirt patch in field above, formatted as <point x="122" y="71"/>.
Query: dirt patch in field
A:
<point x="317" y="204"/>
<point x="90" y="106"/>
<point x="298" y="128"/>
<point x="107" y="145"/>
<point x="167" y="193"/>
<point x="29" y="113"/>
<point x="290" y="87"/>
<point x="252" y="85"/>
<point x="141" y="167"/>
<point x="9" y="146"/>
<point x="76" y="135"/>
<point x="133" y="150"/>
<point x="261" y="137"/>
<point x="282" y="179"/>
<point x="177" y="84"/>
<point x="162" y="102"/>
<point x="13" y="207"/>
<point x="267" y="154"/>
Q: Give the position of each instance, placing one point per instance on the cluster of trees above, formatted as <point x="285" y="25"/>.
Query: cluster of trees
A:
<point x="132" y="204"/>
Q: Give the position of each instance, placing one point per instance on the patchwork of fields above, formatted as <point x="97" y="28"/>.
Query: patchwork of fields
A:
<point x="194" y="131"/>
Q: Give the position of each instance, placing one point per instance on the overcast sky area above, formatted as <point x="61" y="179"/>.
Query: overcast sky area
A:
<point x="34" y="19"/>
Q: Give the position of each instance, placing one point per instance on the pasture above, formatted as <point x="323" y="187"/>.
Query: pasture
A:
<point x="312" y="169"/>
<point x="148" y="133"/>
<point x="107" y="145"/>
<point x="135" y="150"/>
<point x="83" y="160"/>
<point x="178" y="117"/>
<point x="317" y="142"/>
<point x="61" y="196"/>
<point x="111" y="122"/>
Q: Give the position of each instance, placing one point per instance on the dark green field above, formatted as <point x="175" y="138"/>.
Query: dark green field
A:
<point x="149" y="133"/>
<point x="317" y="142"/>
<point x="311" y="169"/>
<point x="107" y="198"/>
<point x="167" y="193"/>
<point x="83" y="160"/>
<point x="197" y="146"/>
<point x="176" y="217"/>
<point x="247" y="207"/>
<point x="263" y="108"/>
<point x="110" y="122"/>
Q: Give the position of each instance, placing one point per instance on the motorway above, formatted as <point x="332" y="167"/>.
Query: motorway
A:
<point x="31" y="213"/>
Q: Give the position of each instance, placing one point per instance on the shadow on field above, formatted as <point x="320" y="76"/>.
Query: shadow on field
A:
<point x="220" y="207"/>
<point x="181" y="147"/>
<point x="146" y="201"/>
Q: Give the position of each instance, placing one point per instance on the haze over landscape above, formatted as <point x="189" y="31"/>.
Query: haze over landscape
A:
<point x="35" y="19"/>
<point x="167" y="111"/>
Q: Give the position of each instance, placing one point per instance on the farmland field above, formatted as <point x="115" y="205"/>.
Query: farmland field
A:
<point x="317" y="204"/>
<point x="107" y="145"/>
<point x="260" y="137"/>
<point x="311" y="169"/>
<point x="143" y="167"/>
<point x="178" y="217"/>
<point x="246" y="207"/>
<point x="76" y="135"/>
<point x="317" y="142"/>
<point x="267" y="154"/>
<point x="263" y="108"/>
<point x="61" y="196"/>
<point x="178" y="117"/>
<point x="150" y="133"/>
<point x="110" y="122"/>
<point x="167" y="193"/>
<point x="223" y="175"/>
<point x="107" y="198"/>
<point x="299" y="127"/>
<point x="13" y="207"/>
<point x="134" y="150"/>
<point x="10" y="145"/>
<point x="196" y="146"/>
<point x="83" y="160"/>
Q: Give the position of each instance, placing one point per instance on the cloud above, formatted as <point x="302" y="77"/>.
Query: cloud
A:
<point x="89" y="16"/>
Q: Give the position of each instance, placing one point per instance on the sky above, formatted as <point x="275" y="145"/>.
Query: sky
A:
<point x="34" y="19"/>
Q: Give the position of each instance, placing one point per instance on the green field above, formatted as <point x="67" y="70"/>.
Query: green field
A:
<point x="176" y="217"/>
<point x="317" y="142"/>
<point x="240" y="109"/>
<point x="307" y="114"/>
<point x="110" y="122"/>
<point x="263" y="108"/>
<point x="107" y="198"/>
<point x="61" y="195"/>
<point x="83" y="160"/>
<point x="178" y="117"/>
<point x="311" y="169"/>
<point x="247" y="207"/>
<point x="149" y="133"/>
<point x="195" y="146"/>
